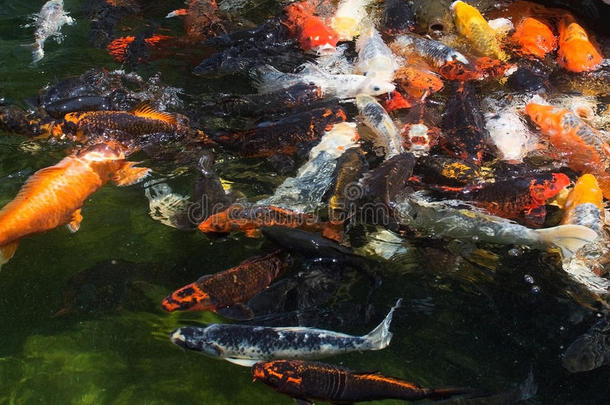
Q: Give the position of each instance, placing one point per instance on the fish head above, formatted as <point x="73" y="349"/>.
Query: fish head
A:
<point x="187" y="298"/>
<point x="586" y="190"/>
<point x="579" y="56"/>
<point x="376" y="86"/>
<point x="546" y="117"/>
<point x="217" y="223"/>
<point x="545" y="188"/>
<point x="196" y="338"/>
<point x="317" y="37"/>
<point x="584" y="354"/>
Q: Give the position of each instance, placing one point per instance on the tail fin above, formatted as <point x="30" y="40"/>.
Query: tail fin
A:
<point x="175" y="13"/>
<point x="568" y="238"/>
<point x="380" y="337"/>
<point x="7" y="251"/>
<point x="266" y="78"/>
<point x="447" y="392"/>
<point x="37" y="51"/>
<point x="528" y="388"/>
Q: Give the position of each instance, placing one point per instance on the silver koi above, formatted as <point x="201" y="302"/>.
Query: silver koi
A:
<point x="48" y="22"/>
<point x="246" y="345"/>
<point x="378" y="120"/>
<point x="433" y="51"/>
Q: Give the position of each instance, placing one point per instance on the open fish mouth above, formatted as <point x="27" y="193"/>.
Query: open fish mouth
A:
<point x="326" y="49"/>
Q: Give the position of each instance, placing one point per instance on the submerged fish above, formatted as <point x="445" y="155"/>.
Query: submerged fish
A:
<point x="375" y="59"/>
<point x="246" y="345"/>
<point x="580" y="145"/>
<point x="398" y="17"/>
<point x="49" y="21"/>
<point x="308" y="381"/>
<point x="342" y="86"/>
<point x="576" y="52"/>
<point x="304" y="192"/>
<point x="378" y="120"/>
<point x="472" y="25"/>
<point x="585" y="206"/>
<point x="451" y="220"/>
<point x="434" y="52"/>
<point x="350" y="167"/>
<point x="348" y="18"/>
<point x="590" y="350"/>
<point x="54" y="196"/>
<point x="224" y="292"/>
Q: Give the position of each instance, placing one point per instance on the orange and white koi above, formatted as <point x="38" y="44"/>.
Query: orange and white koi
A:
<point x="54" y="196"/>
<point x="580" y="145"/>
<point x="310" y="31"/>
<point x="576" y="52"/>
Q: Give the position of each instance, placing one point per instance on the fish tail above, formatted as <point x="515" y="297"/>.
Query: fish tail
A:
<point x="447" y="392"/>
<point x="37" y="53"/>
<point x="568" y="238"/>
<point x="265" y="78"/>
<point x="528" y="388"/>
<point x="7" y="251"/>
<point x="380" y="337"/>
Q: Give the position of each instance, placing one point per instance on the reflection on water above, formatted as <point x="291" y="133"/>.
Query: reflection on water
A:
<point x="80" y="314"/>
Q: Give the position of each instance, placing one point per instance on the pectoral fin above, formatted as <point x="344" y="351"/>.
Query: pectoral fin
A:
<point x="74" y="224"/>
<point x="238" y="312"/>
<point x="129" y="174"/>
<point x="242" y="362"/>
<point x="7" y="251"/>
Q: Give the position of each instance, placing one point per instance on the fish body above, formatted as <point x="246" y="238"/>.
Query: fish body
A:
<point x="48" y="22"/>
<point x="350" y="167"/>
<point x="283" y="136"/>
<point x="472" y="25"/>
<point x="398" y="17"/>
<point x="375" y="59"/>
<point x="576" y="51"/>
<point x="333" y="85"/>
<point x="250" y="219"/>
<point x="270" y="103"/>
<point x="451" y="220"/>
<point x="142" y="120"/>
<point x="304" y="192"/>
<point x="575" y="142"/>
<point x="590" y="350"/>
<point x="236" y="285"/>
<point x="348" y="18"/>
<point x="81" y="103"/>
<point x="247" y="345"/>
<point x="310" y="31"/>
<point x="533" y="37"/>
<point x="464" y="133"/>
<point x="434" y="52"/>
<point x="446" y="171"/>
<point x="54" y="196"/>
<point x="585" y="206"/>
<point x="378" y="120"/>
<point x="418" y="134"/>
<point x="518" y="198"/>
<point x="310" y="381"/>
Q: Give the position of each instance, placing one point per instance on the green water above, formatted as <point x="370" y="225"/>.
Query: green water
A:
<point x="460" y="324"/>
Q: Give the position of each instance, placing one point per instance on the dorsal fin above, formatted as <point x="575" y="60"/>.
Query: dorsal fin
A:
<point x="145" y="110"/>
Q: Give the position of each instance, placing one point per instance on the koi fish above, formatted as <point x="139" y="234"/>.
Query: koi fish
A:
<point x="434" y="52"/>
<point x="534" y="38"/>
<point x="590" y="350"/>
<point x="375" y="59"/>
<point x="518" y="198"/>
<point x="54" y="196"/>
<point x="418" y="134"/>
<point x="342" y="86"/>
<point x="283" y="136"/>
<point x="304" y="192"/>
<point x="348" y="18"/>
<point x="396" y="101"/>
<point x="481" y="68"/>
<point x="576" y="142"/>
<point x="225" y="291"/>
<point x="472" y="25"/>
<point x="585" y="206"/>
<point x="433" y="17"/>
<point x="464" y="133"/>
<point x="446" y="171"/>
<point x="250" y="219"/>
<point x="48" y="22"/>
<point x="576" y="52"/>
<point x="310" y="31"/>
<point x="398" y="17"/>
<point x="378" y="120"/>
<point x="308" y="381"/>
<point x="449" y="219"/>
<point x="142" y="120"/>
<point x="246" y="345"/>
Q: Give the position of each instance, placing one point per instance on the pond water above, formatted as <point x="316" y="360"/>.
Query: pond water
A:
<point x="460" y="324"/>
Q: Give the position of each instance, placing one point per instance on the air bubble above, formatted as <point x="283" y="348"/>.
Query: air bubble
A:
<point x="535" y="289"/>
<point x="528" y="279"/>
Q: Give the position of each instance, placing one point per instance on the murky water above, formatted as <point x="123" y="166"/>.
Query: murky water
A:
<point x="460" y="324"/>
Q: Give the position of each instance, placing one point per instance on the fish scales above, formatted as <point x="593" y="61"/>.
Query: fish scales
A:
<point x="101" y="121"/>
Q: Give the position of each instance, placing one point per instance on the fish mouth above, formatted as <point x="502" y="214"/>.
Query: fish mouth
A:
<point x="177" y="338"/>
<point x="326" y="49"/>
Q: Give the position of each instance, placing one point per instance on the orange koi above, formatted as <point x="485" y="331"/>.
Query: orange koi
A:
<point x="228" y="288"/>
<point x="576" y="142"/>
<point x="53" y="196"/>
<point x="481" y="68"/>
<point x="310" y="31"/>
<point x="534" y="38"/>
<point x="417" y="81"/>
<point x="250" y="220"/>
<point x="396" y="101"/>
<point x="576" y="52"/>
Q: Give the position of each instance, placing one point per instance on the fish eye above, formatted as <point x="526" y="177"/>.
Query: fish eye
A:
<point x="590" y="56"/>
<point x="376" y="88"/>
